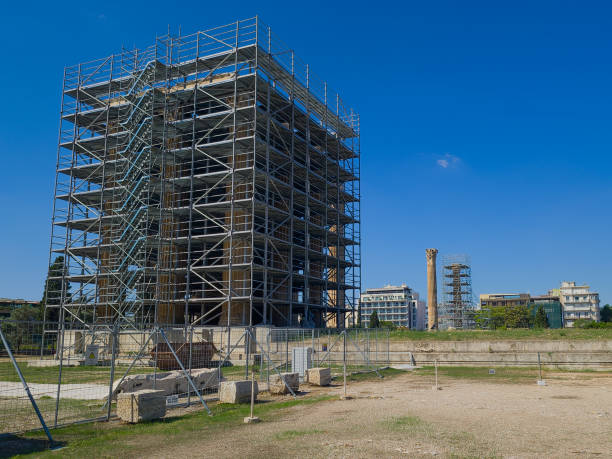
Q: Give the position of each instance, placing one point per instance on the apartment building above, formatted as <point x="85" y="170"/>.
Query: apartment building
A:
<point x="397" y="304"/>
<point x="578" y="302"/>
<point x="504" y="299"/>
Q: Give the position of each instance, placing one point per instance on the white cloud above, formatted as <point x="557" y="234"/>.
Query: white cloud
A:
<point x="448" y="160"/>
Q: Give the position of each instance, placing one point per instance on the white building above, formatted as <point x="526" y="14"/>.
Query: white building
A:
<point x="578" y="303"/>
<point x="400" y="305"/>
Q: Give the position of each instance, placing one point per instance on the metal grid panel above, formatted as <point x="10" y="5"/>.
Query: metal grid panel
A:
<point x="187" y="362"/>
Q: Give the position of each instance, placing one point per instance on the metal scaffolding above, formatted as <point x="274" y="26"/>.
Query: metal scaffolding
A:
<point x="457" y="305"/>
<point x="210" y="179"/>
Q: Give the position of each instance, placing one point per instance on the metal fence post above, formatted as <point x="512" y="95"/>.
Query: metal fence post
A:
<point x="540" y="366"/>
<point x="247" y="347"/>
<point x="367" y="348"/>
<point x="190" y="361"/>
<point x="344" y="360"/>
<point x="436" y="370"/>
<point x="113" y="337"/>
<point x="220" y="361"/>
<point x="318" y="345"/>
<point x="388" y="348"/>
<point x="376" y="350"/>
<point x="328" y="344"/>
<point x="312" y="347"/>
<point x="59" y="377"/>
<point x="156" y="347"/>
<point x="268" y="365"/>
<point x="252" y="390"/>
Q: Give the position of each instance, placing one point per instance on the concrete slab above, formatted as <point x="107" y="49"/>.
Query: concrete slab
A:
<point x="171" y="382"/>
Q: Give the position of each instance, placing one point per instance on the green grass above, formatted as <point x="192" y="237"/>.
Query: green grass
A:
<point x="70" y="375"/>
<point x="502" y="374"/>
<point x="404" y="423"/>
<point x="293" y="434"/>
<point x="115" y="439"/>
<point x="18" y="413"/>
<point x="370" y="375"/>
<point x="353" y="372"/>
<point x="511" y="334"/>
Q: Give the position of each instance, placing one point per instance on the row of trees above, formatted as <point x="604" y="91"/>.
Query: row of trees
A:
<point x="519" y="316"/>
<point x="494" y="317"/>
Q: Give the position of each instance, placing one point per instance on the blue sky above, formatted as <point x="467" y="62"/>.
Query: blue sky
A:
<point x="485" y="128"/>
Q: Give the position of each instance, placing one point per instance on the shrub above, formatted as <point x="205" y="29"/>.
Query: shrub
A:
<point x="388" y="324"/>
<point x="588" y="323"/>
<point x="374" y="322"/>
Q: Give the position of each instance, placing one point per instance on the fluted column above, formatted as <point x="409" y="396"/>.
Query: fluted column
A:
<point x="432" y="290"/>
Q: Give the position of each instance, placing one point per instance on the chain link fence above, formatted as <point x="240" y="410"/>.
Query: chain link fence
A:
<point x="73" y="372"/>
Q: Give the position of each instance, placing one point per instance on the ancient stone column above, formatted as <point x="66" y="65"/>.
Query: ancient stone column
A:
<point x="432" y="290"/>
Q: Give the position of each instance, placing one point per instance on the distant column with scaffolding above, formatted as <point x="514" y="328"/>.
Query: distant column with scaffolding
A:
<point x="457" y="305"/>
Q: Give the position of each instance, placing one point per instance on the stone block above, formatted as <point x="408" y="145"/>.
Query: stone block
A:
<point x="278" y="387"/>
<point x="205" y="378"/>
<point x="236" y="391"/>
<point x="170" y="382"/>
<point x="142" y="405"/>
<point x="319" y="376"/>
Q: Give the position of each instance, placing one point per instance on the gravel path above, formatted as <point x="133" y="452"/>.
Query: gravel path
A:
<point x="404" y="417"/>
<point x="72" y="391"/>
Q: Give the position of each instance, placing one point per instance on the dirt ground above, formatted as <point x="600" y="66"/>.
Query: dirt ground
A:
<point x="404" y="417"/>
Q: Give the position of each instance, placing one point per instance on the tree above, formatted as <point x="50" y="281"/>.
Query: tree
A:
<point x="374" y="322"/>
<point x="19" y="328"/>
<point x="540" y="321"/>
<point x="53" y="289"/>
<point x="517" y="316"/>
<point x="481" y="318"/>
<point x="606" y="313"/>
<point x="490" y="317"/>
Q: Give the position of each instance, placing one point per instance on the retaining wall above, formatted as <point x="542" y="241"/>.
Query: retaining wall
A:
<point x="558" y="353"/>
